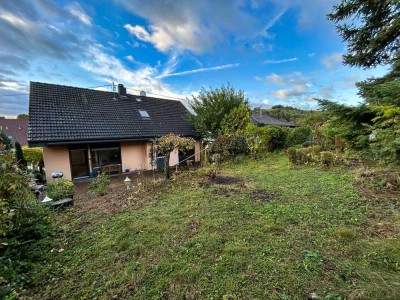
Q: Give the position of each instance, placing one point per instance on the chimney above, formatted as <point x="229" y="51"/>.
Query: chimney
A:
<point x="143" y="93"/>
<point x="121" y="90"/>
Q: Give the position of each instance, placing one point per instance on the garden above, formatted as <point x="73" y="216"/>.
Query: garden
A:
<point x="310" y="212"/>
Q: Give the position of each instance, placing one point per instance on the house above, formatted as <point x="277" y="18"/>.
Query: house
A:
<point x="83" y="131"/>
<point x="15" y="129"/>
<point x="262" y="119"/>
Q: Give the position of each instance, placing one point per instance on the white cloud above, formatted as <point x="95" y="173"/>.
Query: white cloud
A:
<point x="311" y="54"/>
<point x="279" y="61"/>
<point x="130" y="58"/>
<point x="272" y="78"/>
<point x="108" y="68"/>
<point x="266" y="101"/>
<point x="76" y="10"/>
<point x="275" y="78"/>
<point x="14" y="20"/>
<point x="199" y="70"/>
<point x="332" y="60"/>
<point x="165" y="38"/>
<point x="199" y="25"/>
<point x="298" y="86"/>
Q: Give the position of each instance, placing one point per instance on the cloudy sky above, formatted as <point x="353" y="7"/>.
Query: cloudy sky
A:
<point x="277" y="51"/>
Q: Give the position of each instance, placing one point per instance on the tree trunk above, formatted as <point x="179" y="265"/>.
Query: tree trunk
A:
<point x="166" y="166"/>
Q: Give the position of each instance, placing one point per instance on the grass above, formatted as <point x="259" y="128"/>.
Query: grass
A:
<point x="265" y="231"/>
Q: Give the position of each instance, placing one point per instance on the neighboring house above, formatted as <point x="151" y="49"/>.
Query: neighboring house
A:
<point x="83" y="130"/>
<point x="15" y="129"/>
<point x="263" y="119"/>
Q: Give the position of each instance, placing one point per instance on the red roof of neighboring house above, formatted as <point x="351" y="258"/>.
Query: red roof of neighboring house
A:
<point x="16" y="129"/>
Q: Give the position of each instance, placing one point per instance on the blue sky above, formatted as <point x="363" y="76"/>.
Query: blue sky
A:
<point x="277" y="51"/>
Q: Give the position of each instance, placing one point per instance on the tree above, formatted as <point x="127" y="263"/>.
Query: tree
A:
<point x="212" y="106"/>
<point x="236" y="121"/>
<point x="384" y="90"/>
<point x="168" y="143"/>
<point x="354" y="124"/>
<point x="373" y="34"/>
<point x="33" y="154"/>
<point x="19" y="155"/>
<point x="23" y="116"/>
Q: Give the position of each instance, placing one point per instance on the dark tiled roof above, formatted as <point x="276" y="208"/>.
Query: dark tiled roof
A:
<point x="265" y="119"/>
<point x="17" y="129"/>
<point x="63" y="114"/>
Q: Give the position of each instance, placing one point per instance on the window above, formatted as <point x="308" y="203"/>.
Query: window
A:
<point x="143" y="113"/>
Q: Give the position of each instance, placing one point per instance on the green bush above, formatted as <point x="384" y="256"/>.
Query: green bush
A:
<point x="100" y="184"/>
<point x="326" y="158"/>
<point x="277" y="137"/>
<point x="228" y="146"/>
<point x="40" y="176"/>
<point x="292" y="155"/>
<point x="60" y="189"/>
<point x="23" y="224"/>
<point x="299" y="135"/>
<point x="304" y="156"/>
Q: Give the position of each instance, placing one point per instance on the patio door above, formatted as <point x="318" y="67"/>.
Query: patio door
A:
<point x="79" y="163"/>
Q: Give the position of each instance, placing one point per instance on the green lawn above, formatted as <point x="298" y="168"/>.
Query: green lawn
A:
<point x="268" y="231"/>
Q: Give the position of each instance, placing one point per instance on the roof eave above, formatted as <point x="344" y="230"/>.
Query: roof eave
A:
<point x="94" y="141"/>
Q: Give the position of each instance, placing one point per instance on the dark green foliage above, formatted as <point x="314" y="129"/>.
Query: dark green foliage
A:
<point x="24" y="253"/>
<point x="299" y="135"/>
<point x="385" y="137"/>
<point x="228" y="146"/>
<point x="60" y="189"/>
<point x="212" y="106"/>
<point x="19" y="155"/>
<point x="40" y="176"/>
<point x="373" y="33"/>
<point x="384" y="90"/>
<point x="5" y="141"/>
<point x="354" y="124"/>
<point x="23" y="222"/>
<point x="100" y="184"/>
<point x="277" y="137"/>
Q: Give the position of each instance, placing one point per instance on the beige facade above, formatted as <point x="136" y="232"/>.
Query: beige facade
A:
<point x="134" y="156"/>
<point x="56" y="159"/>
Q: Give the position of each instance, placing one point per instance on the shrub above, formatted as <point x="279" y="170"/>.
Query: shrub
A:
<point x="327" y="158"/>
<point x="277" y="137"/>
<point x="23" y="222"/>
<point x="304" y="156"/>
<point x="100" y="184"/>
<point x="32" y="155"/>
<point x="339" y="144"/>
<point x="228" y="146"/>
<point x="292" y="155"/>
<point x="60" y="189"/>
<point x="40" y="176"/>
<point x="299" y="135"/>
<point x="19" y="155"/>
